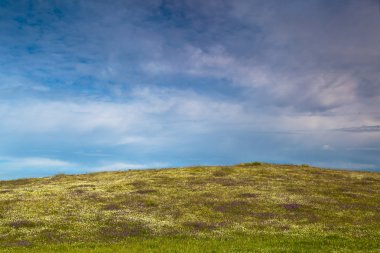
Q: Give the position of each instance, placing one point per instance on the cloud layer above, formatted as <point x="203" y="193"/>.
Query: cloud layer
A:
<point x="95" y="85"/>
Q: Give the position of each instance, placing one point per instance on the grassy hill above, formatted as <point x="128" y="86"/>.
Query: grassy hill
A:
<point x="244" y="208"/>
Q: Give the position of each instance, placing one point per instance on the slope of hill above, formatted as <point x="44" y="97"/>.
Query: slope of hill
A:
<point x="250" y="207"/>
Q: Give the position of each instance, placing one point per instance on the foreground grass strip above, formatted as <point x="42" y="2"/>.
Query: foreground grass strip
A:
<point x="234" y="244"/>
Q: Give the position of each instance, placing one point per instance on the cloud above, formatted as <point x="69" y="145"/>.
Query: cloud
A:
<point x="33" y="162"/>
<point x="188" y="81"/>
<point x="13" y="167"/>
<point x="366" y="149"/>
<point x="361" y="129"/>
<point x="300" y="60"/>
<point x="147" y="105"/>
<point x="164" y="125"/>
<point x="306" y="56"/>
<point x="153" y="121"/>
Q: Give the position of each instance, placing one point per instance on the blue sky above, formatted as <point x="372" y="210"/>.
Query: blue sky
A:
<point x="96" y="85"/>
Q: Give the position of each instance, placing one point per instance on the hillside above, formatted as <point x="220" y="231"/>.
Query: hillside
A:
<point x="250" y="207"/>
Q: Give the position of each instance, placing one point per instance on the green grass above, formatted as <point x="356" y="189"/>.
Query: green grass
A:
<point x="260" y="243"/>
<point x="251" y="207"/>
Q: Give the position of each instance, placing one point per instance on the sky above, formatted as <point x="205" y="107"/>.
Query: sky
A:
<point x="95" y="85"/>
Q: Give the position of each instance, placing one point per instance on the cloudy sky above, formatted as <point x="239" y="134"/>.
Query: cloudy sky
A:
<point x="92" y="85"/>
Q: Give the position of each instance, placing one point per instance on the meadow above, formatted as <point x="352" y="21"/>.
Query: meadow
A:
<point x="252" y="207"/>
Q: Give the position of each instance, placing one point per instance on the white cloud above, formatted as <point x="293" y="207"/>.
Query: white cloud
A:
<point x="158" y="117"/>
<point x="33" y="162"/>
<point x="149" y="110"/>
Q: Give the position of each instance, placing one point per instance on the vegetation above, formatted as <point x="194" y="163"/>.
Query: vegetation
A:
<point x="252" y="207"/>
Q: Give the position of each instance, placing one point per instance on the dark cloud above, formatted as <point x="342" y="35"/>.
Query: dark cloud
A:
<point x="361" y="129"/>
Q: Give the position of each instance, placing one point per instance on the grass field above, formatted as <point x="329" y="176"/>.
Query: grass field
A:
<point x="250" y="207"/>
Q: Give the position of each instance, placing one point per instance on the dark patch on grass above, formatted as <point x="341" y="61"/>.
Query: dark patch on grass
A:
<point x="291" y="206"/>
<point x="83" y="186"/>
<point x="115" y="188"/>
<point x="21" y="243"/>
<point x="175" y="213"/>
<point x="232" y="207"/>
<point x="137" y="202"/>
<point x="223" y="172"/>
<point x="163" y="180"/>
<point x="199" y="225"/>
<point x="5" y="191"/>
<point x="195" y="181"/>
<point x="22" y="224"/>
<point x="219" y="173"/>
<point x="49" y="235"/>
<point x="121" y="229"/>
<point x="95" y="197"/>
<point x="251" y="164"/>
<point x="229" y="181"/>
<point x="311" y="217"/>
<point x="150" y="203"/>
<point x="18" y="182"/>
<point x="78" y="192"/>
<point x="295" y="190"/>
<point x="264" y="215"/>
<point x="139" y="184"/>
<point x="112" y="207"/>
